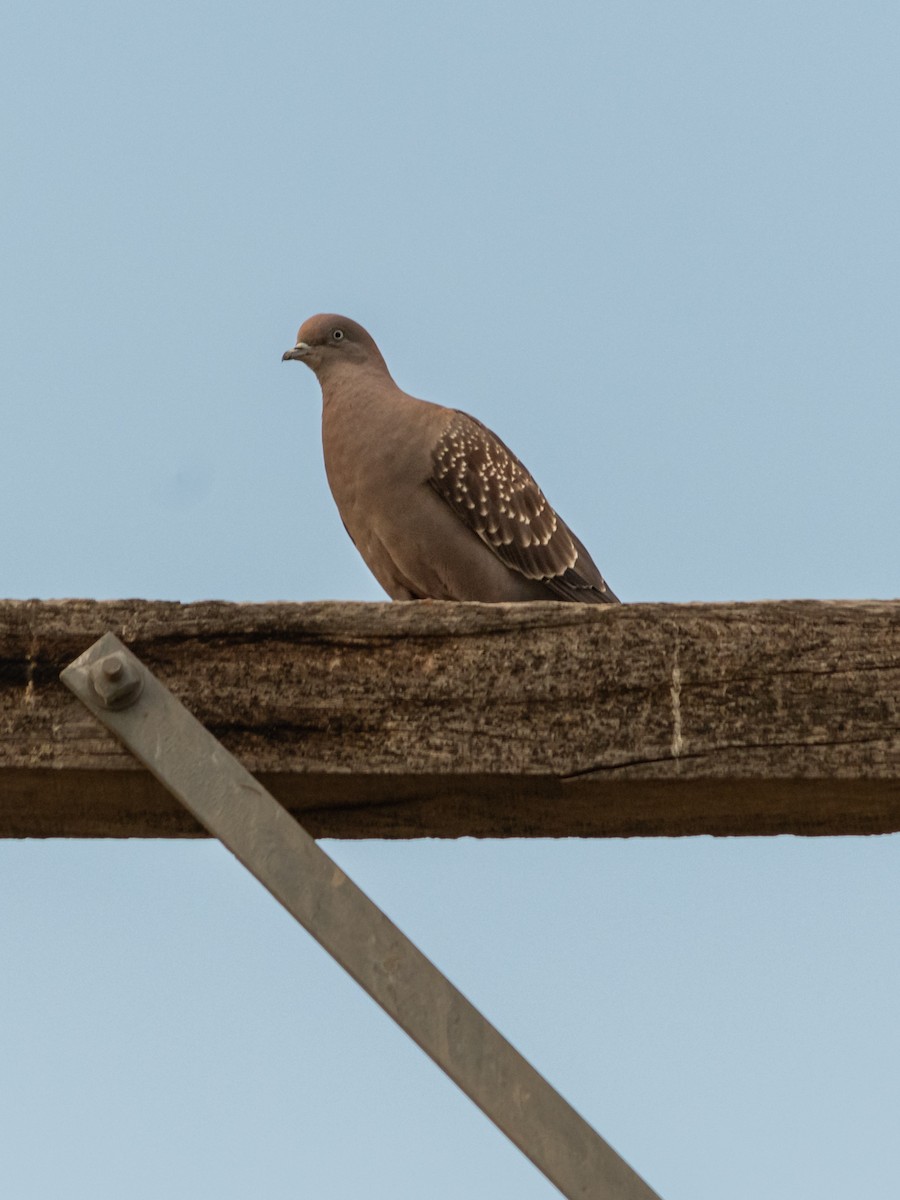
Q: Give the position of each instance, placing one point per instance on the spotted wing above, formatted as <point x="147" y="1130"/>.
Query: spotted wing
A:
<point x="491" y="491"/>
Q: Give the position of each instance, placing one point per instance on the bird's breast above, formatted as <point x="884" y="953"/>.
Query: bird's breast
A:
<point x="377" y="460"/>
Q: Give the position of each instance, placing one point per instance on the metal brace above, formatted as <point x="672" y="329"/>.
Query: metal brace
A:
<point x="226" y="799"/>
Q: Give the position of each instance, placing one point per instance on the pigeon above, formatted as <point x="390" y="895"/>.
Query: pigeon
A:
<point x="437" y="505"/>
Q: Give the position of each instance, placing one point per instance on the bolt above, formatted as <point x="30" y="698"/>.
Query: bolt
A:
<point x="117" y="682"/>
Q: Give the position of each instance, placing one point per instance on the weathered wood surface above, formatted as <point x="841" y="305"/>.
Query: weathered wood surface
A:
<point x="444" y="720"/>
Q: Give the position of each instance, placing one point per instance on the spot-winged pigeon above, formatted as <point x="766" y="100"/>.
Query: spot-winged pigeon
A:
<point x="435" y="503"/>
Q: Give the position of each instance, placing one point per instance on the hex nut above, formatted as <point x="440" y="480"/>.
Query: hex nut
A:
<point x="116" y="682"/>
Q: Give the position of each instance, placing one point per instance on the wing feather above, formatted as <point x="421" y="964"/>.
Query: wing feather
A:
<point x="493" y="493"/>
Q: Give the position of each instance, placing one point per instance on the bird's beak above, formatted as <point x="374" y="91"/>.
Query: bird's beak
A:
<point x="300" y="351"/>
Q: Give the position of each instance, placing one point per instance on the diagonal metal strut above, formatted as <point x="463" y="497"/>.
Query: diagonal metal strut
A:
<point x="186" y="758"/>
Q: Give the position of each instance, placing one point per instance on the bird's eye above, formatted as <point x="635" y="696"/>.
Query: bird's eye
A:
<point x="337" y="335"/>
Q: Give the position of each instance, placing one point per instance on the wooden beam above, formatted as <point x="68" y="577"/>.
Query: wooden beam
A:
<point x="445" y="720"/>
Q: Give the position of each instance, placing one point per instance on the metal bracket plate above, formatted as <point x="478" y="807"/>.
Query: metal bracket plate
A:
<point x="186" y="758"/>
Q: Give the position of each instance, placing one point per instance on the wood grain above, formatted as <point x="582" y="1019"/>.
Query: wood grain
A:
<point x="446" y="720"/>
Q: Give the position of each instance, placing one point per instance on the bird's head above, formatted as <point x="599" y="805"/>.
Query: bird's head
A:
<point x="327" y="341"/>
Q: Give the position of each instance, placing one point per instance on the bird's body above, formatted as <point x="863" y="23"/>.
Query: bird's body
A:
<point x="438" y="507"/>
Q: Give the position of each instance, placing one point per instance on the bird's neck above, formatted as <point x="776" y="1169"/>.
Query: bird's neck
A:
<point x="353" y="387"/>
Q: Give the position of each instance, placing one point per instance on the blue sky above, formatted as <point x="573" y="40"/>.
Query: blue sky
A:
<point x="656" y="248"/>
